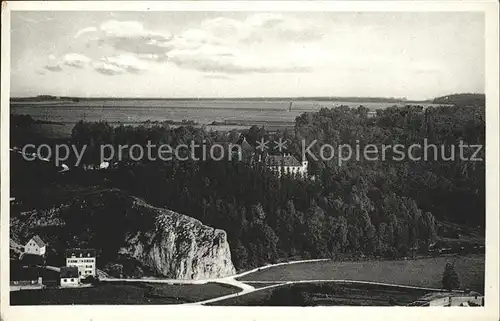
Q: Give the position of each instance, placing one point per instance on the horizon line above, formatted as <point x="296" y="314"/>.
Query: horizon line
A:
<point x="402" y="99"/>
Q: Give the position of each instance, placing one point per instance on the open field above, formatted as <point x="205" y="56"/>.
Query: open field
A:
<point x="274" y="114"/>
<point x="123" y="293"/>
<point x="331" y="294"/>
<point x="420" y="272"/>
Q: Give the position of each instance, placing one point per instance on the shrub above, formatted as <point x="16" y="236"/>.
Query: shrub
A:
<point x="451" y="280"/>
<point x="90" y="280"/>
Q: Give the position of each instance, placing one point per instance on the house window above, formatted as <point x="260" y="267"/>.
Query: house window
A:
<point x="64" y="280"/>
<point x="72" y="280"/>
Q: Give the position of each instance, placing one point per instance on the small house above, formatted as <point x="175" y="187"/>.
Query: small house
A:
<point x="69" y="276"/>
<point x="35" y="246"/>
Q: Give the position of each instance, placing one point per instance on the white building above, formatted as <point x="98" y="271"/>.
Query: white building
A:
<point x="451" y="299"/>
<point x="35" y="246"/>
<point x="69" y="277"/>
<point x="286" y="164"/>
<point x="84" y="260"/>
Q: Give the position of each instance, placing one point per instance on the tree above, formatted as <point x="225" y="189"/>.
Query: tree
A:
<point x="315" y="231"/>
<point x="91" y="280"/>
<point x="451" y="280"/>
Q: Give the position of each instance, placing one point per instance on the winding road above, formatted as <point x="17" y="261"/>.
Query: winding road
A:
<point x="247" y="288"/>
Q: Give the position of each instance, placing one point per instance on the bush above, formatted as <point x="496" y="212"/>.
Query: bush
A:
<point x="90" y="280"/>
<point x="115" y="270"/>
<point x="451" y="280"/>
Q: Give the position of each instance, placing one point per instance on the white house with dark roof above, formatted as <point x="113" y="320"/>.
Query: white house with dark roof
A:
<point x="35" y="246"/>
<point x="286" y="164"/>
<point x="69" y="277"/>
<point x="84" y="260"/>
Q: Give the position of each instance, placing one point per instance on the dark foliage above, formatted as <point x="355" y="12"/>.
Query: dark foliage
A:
<point x="462" y="99"/>
<point x="382" y="208"/>
<point x="451" y="280"/>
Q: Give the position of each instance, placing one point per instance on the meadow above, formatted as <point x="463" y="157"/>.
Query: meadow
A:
<point x="327" y="294"/>
<point x="123" y="293"/>
<point x="426" y="272"/>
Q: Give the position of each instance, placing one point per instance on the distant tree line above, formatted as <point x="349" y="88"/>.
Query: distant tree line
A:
<point x="462" y="100"/>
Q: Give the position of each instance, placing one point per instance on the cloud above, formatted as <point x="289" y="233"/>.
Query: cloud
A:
<point x="232" y="46"/>
<point x="54" y="68"/>
<point x="216" y="59"/>
<point x="126" y="29"/>
<point x="217" y="76"/>
<point x="75" y="60"/>
<point x="263" y="27"/>
<point x="131" y="36"/>
<point x="84" y="31"/>
<point x="126" y="62"/>
<point x="53" y="64"/>
<point x="278" y="27"/>
<point x="108" y="69"/>
<point x="259" y="43"/>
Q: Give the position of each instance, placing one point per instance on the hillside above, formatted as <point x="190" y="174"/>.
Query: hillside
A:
<point x="132" y="237"/>
<point x="462" y="99"/>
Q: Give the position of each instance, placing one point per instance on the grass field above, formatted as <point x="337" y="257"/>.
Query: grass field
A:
<point x="123" y="293"/>
<point x="420" y="272"/>
<point x="331" y="294"/>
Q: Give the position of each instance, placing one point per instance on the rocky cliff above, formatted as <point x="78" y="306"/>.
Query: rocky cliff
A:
<point x="132" y="237"/>
<point x="179" y="246"/>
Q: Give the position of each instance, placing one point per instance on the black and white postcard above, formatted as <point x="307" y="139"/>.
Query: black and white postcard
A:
<point x="249" y="160"/>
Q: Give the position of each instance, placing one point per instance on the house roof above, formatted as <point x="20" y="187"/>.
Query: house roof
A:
<point x="69" y="272"/>
<point x="80" y="253"/>
<point x="38" y="241"/>
<point x="282" y="160"/>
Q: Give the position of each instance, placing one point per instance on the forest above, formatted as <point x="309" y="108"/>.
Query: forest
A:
<point x="374" y="208"/>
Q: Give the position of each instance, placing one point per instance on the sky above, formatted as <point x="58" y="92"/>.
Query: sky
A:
<point x="417" y="55"/>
